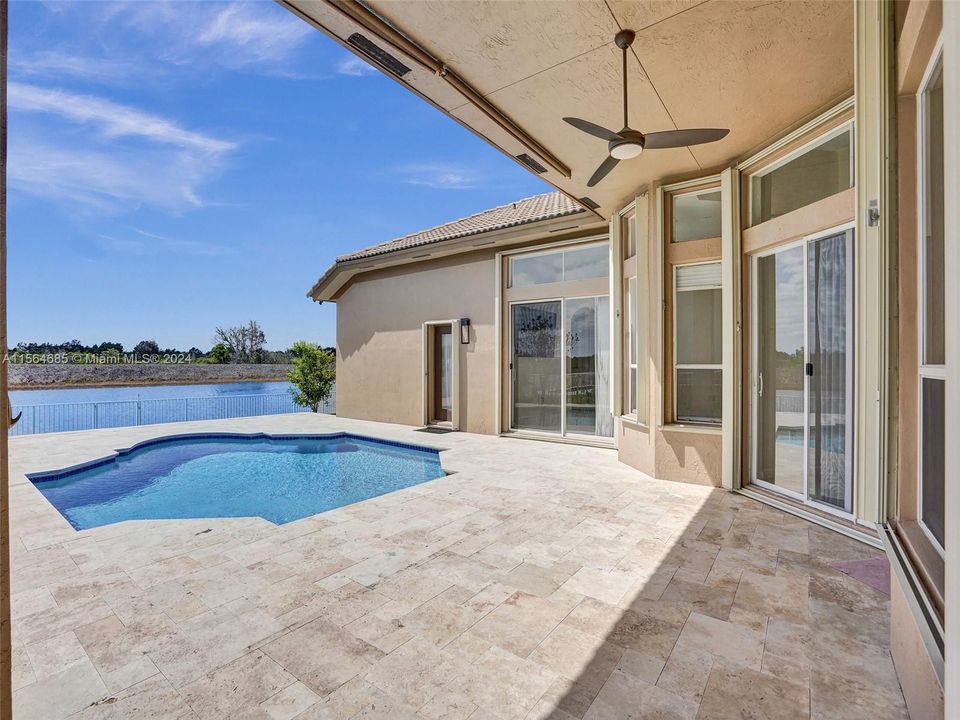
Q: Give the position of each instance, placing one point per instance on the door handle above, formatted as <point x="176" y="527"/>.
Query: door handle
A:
<point x="760" y="385"/>
<point x="808" y="369"/>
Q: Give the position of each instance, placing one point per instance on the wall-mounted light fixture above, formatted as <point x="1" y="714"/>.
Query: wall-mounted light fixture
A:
<point x="464" y="331"/>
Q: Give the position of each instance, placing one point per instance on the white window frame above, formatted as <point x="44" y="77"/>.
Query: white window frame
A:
<point x="692" y="366"/>
<point x="925" y="371"/>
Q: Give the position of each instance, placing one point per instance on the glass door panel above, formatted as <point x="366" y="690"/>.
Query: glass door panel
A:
<point x="802" y="431"/>
<point x="780" y="379"/>
<point x="537" y="366"/>
<point x="828" y="370"/>
<point x="444" y="373"/>
<point x="587" y="355"/>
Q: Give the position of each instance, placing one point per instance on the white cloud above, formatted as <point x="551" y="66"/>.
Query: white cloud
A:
<point x="149" y="244"/>
<point x="114" y="120"/>
<point x="254" y="35"/>
<point x="352" y="65"/>
<point x="444" y="176"/>
<point x="107" y="181"/>
<point x="59" y="64"/>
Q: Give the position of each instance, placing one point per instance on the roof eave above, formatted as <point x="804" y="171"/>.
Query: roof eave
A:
<point x="339" y="274"/>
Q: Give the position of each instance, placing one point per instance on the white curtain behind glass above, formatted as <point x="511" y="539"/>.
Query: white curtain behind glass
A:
<point x="602" y="336"/>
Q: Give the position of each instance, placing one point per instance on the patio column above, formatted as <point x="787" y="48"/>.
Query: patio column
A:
<point x="951" y="103"/>
<point x="6" y="659"/>
<point x="873" y="90"/>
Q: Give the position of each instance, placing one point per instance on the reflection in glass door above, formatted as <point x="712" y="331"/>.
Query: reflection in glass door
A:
<point x="828" y="371"/>
<point x="780" y="379"/>
<point x="537" y="366"/>
<point x="803" y="380"/>
<point x="561" y="366"/>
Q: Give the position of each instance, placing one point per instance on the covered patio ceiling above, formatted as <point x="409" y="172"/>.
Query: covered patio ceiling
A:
<point x="510" y="71"/>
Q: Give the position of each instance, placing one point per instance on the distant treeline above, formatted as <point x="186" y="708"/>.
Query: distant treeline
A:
<point x="74" y="351"/>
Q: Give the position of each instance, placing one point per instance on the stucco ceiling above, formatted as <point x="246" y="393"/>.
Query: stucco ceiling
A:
<point x="758" y="68"/>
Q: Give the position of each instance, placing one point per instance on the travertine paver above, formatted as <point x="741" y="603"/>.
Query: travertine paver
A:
<point x="538" y="580"/>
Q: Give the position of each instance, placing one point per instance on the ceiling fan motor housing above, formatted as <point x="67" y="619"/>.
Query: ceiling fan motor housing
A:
<point x="628" y="145"/>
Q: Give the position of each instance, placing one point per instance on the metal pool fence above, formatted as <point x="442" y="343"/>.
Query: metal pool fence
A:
<point x="63" y="417"/>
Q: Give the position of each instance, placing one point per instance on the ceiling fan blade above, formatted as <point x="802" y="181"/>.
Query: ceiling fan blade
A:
<point x="592" y="129"/>
<point x="601" y="172"/>
<point x="682" y="138"/>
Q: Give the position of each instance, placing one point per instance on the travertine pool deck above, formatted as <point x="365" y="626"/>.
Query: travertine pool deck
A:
<point x="539" y="580"/>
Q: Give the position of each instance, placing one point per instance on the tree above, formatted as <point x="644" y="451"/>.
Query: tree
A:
<point x="146" y="347"/>
<point x="245" y="342"/>
<point x="220" y="354"/>
<point x="313" y="376"/>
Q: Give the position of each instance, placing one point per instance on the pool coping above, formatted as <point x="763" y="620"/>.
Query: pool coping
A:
<point x="70" y="470"/>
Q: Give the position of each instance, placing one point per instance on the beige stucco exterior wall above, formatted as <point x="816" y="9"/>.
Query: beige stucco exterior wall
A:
<point x="918" y="679"/>
<point x="380" y="320"/>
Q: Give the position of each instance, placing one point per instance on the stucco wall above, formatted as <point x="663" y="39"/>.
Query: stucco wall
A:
<point x="380" y="320"/>
<point x="918" y="680"/>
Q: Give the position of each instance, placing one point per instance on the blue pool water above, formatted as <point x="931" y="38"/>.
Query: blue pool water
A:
<point x="278" y="478"/>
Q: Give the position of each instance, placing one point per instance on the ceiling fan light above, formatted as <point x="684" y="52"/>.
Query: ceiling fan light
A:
<point x="626" y="150"/>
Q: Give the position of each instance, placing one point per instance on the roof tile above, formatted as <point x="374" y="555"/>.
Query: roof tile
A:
<point x="532" y="209"/>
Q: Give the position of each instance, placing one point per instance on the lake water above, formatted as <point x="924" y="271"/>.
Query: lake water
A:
<point x="93" y="408"/>
<point x="143" y="392"/>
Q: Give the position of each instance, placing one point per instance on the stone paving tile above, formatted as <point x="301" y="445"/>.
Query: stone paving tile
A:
<point x="151" y="699"/>
<point x="236" y="687"/>
<point x="537" y="581"/>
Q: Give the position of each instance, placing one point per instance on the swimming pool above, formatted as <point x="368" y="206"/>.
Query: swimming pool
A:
<point x="277" y="477"/>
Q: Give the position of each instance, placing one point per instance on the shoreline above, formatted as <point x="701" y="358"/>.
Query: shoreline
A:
<point x="147" y="383"/>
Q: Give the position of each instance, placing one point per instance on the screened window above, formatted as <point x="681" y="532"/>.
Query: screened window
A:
<point x="698" y="343"/>
<point x="696" y="215"/>
<point x="561" y="266"/>
<point x="932" y="326"/>
<point x="822" y="170"/>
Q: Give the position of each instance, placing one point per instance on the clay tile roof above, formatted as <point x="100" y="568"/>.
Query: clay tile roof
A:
<point x="532" y="209"/>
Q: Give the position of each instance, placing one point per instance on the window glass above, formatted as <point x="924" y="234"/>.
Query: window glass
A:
<point x="536" y="269"/>
<point x="699" y="327"/>
<point x="699" y="395"/>
<point x="933" y="218"/>
<point x="561" y="266"/>
<point x="696" y="216"/>
<point x="932" y="454"/>
<point x="586" y="263"/>
<point x="631" y="244"/>
<point x="698" y="342"/>
<point x="821" y="171"/>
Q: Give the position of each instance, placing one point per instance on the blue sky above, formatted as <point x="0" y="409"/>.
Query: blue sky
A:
<point x="178" y="166"/>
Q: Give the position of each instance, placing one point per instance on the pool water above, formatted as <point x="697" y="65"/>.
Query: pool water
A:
<point x="278" y="478"/>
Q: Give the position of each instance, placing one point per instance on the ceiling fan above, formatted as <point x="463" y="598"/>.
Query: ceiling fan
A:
<point x="629" y="143"/>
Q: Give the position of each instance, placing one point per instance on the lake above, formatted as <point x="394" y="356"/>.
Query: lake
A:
<point x="91" y="408"/>
<point x="143" y="392"/>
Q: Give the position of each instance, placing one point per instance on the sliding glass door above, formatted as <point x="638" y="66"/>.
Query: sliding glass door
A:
<point x="561" y="366"/>
<point x="537" y="366"/>
<point x="802" y="398"/>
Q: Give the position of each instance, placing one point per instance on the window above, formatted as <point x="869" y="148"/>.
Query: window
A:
<point x="819" y="171"/>
<point x="560" y="266"/>
<point x="634" y="317"/>
<point x="632" y="346"/>
<point x="931" y="293"/>
<point x="698" y="343"/>
<point x="631" y="245"/>
<point x="696" y="215"/>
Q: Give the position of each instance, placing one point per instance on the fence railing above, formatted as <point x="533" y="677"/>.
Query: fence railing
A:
<point x="63" y="417"/>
